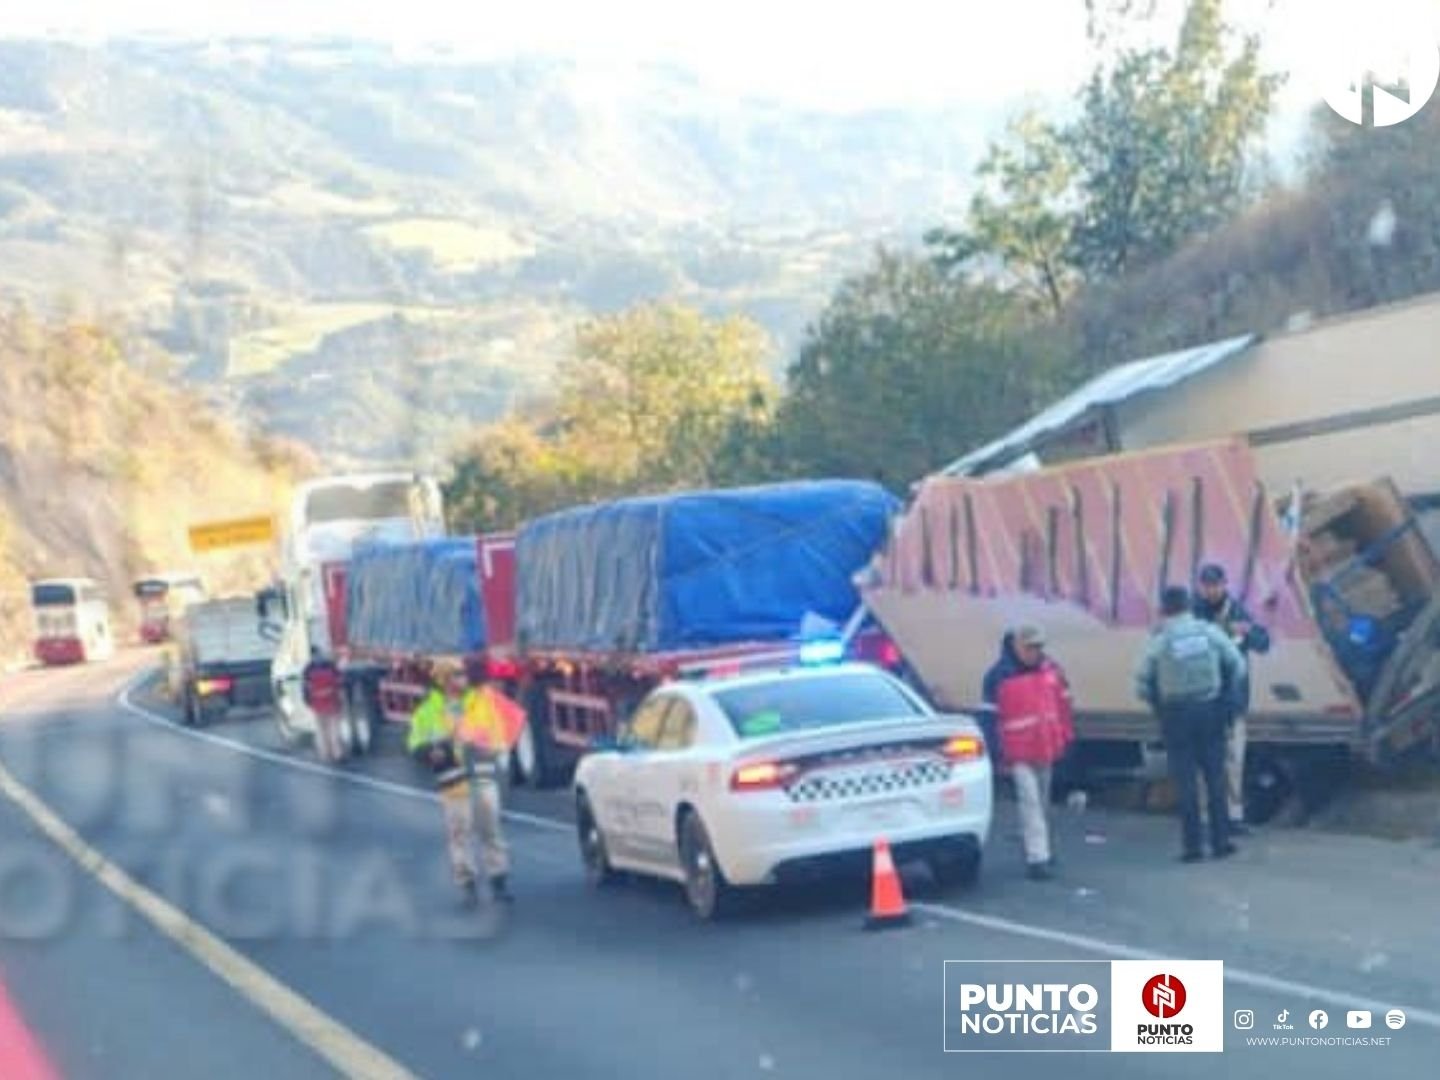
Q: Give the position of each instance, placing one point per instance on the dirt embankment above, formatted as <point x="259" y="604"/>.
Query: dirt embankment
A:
<point x="104" y="464"/>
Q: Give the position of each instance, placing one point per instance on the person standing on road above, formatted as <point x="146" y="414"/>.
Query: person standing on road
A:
<point x="1034" y="726"/>
<point x="457" y="733"/>
<point x="1214" y="604"/>
<point x="1188" y="676"/>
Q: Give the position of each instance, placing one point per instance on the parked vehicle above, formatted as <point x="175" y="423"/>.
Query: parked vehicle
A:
<point x="396" y="607"/>
<point x="224" y="660"/>
<point x="327" y="520"/>
<point x="762" y="778"/>
<point x="613" y="600"/>
<point x="72" y="621"/>
<point x="162" y="599"/>
<point x="1344" y="580"/>
<point x="619" y="598"/>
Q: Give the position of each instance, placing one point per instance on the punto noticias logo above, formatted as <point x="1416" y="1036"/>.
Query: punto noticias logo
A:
<point x="1163" y="996"/>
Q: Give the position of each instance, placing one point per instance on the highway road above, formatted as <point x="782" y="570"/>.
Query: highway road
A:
<point x="180" y="904"/>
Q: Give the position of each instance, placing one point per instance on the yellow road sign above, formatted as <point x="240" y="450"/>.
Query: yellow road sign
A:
<point x="225" y="534"/>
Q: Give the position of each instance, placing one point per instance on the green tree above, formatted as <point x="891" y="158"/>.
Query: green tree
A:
<point x="653" y="392"/>
<point x="1162" y="143"/>
<point x="906" y="369"/>
<point x="656" y="398"/>
<point x="1158" y="154"/>
<point x="1019" y="218"/>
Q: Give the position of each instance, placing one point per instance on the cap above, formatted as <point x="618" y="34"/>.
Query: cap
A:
<point x="445" y="667"/>
<point x="1029" y="634"/>
<point x="1212" y="574"/>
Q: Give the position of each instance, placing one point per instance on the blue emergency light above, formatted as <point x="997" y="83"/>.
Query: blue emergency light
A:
<point x="822" y="651"/>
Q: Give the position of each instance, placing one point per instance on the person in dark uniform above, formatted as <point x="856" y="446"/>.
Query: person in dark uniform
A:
<point x="1214" y="604"/>
<point x="1188" y="675"/>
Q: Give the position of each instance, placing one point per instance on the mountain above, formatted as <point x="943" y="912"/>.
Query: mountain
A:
<point x="370" y="251"/>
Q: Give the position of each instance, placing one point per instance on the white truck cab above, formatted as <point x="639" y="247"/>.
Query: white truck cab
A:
<point x="327" y="520"/>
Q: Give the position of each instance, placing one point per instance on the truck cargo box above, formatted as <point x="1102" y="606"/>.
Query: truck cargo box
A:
<point x="415" y="598"/>
<point x="1344" y="581"/>
<point x="696" y="569"/>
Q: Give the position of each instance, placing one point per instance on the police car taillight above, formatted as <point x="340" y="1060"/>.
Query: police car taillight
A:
<point x="762" y="775"/>
<point x="964" y="748"/>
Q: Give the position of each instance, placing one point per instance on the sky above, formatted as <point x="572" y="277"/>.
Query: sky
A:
<point x="835" y="54"/>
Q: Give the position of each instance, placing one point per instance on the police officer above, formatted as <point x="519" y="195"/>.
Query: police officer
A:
<point x="1189" y="675"/>
<point x="1215" y="604"/>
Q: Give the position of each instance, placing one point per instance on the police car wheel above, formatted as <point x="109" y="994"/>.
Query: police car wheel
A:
<point x="706" y="890"/>
<point x="593" y="854"/>
<point x="956" y="869"/>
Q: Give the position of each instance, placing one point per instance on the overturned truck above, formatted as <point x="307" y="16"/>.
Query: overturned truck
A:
<point x="1344" y="580"/>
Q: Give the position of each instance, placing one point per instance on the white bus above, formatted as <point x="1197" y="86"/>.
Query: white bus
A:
<point x="163" y="598"/>
<point x="72" y="621"/>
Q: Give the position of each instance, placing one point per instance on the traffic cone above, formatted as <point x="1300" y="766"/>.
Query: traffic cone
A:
<point x="887" y="901"/>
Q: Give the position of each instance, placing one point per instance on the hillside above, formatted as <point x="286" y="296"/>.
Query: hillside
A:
<point x="337" y="237"/>
<point x="103" y="467"/>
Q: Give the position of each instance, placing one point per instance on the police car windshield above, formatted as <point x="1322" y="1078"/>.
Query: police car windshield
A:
<point x="803" y="704"/>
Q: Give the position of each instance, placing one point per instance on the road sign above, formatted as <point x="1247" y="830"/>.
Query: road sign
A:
<point x="215" y="535"/>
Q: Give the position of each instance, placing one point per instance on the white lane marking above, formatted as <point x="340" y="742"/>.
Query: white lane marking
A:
<point x="313" y="767"/>
<point x="327" y="1037"/>
<point x="1253" y="979"/>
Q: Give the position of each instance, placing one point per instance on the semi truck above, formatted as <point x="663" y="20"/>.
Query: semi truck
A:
<point x="327" y="520"/>
<point x="582" y="612"/>
<point x="1344" y="580"/>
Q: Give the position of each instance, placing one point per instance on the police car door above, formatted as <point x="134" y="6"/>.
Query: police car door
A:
<point x="666" y="776"/>
<point x="621" y="794"/>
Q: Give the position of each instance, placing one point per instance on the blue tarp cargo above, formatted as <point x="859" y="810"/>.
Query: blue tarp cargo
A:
<point x="421" y="597"/>
<point x="698" y="569"/>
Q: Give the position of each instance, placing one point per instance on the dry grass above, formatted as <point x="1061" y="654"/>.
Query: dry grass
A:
<point x="452" y="245"/>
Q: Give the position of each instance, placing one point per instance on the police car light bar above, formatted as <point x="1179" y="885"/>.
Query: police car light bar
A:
<point x="826" y="651"/>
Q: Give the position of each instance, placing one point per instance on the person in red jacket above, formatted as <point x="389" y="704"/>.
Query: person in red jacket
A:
<point x="1033" y="727"/>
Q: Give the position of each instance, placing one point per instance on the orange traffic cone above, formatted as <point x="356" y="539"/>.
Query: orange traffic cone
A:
<point x="887" y="901"/>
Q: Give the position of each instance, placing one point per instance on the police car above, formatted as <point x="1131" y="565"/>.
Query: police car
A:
<point x="760" y="778"/>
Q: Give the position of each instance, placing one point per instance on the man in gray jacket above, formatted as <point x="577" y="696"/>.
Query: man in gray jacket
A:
<point x="1189" y="675"/>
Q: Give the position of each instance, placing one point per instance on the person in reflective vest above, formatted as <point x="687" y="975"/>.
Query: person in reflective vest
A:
<point x="1189" y="675"/>
<point x="459" y="732"/>
<point x="1034" y="726"/>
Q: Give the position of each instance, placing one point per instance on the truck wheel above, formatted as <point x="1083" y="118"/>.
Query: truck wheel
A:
<point x="523" y="766"/>
<point x="1269" y="786"/>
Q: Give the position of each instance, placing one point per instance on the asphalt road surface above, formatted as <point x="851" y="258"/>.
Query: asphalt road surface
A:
<point x="338" y="945"/>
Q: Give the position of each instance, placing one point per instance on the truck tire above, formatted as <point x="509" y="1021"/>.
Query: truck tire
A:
<point x="550" y="768"/>
<point x="523" y="771"/>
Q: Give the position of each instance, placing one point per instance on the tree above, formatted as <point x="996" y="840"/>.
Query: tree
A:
<point x="1019" y="218"/>
<point x="656" y="398"/>
<point x="653" y="391"/>
<point x="906" y="369"/>
<point x="1160" y="149"/>
<point x="1158" y="155"/>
